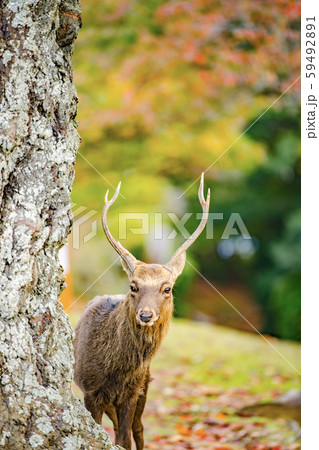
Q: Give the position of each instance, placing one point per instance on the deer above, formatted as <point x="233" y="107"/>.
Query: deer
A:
<point x="118" y="335"/>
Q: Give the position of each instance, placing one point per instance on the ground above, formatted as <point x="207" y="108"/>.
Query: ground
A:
<point x="203" y="375"/>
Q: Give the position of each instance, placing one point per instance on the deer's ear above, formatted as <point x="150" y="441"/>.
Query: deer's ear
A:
<point x="176" y="264"/>
<point x="129" y="270"/>
<point x="126" y="268"/>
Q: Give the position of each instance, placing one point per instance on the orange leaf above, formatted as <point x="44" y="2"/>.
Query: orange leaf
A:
<point x="200" y="58"/>
<point x="186" y="416"/>
<point x="201" y="433"/>
<point x="237" y="427"/>
<point x="220" y="416"/>
<point x="181" y="429"/>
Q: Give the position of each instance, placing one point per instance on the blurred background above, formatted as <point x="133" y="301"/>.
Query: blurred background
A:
<point x="167" y="90"/>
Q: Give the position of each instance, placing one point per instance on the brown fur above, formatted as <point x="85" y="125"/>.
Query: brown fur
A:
<point x="117" y="336"/>
<point x="113" y="350"/>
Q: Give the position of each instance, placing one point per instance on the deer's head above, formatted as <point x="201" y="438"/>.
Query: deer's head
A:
<point x="151" y="284"/>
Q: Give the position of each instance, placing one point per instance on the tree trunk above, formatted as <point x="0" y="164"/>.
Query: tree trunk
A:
<point x="39" y="141"/>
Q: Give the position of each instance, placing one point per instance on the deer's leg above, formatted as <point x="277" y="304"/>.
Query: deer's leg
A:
<point x="137" y="426"/>
<point x="95" y="410"/>
<point x="111" y="412"/>
<point x="125" y="414"/>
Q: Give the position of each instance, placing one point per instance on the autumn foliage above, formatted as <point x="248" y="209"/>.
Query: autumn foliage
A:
<point x="169" y="89"/>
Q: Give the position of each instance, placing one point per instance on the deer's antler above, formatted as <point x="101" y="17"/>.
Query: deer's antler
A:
<point x="129" y="259"/>
<point x="201" y="226"/>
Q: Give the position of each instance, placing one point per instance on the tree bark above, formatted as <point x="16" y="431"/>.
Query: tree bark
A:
<point x="39" y="141"/>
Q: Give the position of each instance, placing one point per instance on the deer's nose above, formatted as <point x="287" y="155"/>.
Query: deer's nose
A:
<point x="146" y="316"/>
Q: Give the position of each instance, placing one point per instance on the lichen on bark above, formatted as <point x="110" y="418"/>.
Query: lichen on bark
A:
<point x="38" y="140"/>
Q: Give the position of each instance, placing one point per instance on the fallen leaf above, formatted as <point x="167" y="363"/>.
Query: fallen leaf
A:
<point x="181" y="429"/>
<point x="175" y="438"/>
<point x="261" y="424"/>
<point x="237" y="427"/>
<point x="201" y="433"/>
<point x="220" y="416"/>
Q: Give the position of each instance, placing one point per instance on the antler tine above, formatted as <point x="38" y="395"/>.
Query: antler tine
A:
<point x="201" y="189"/>
<point x="201" y="192"/>
<point x="201" y="226"/>
<point x="116" y="194"/>
<point x="124" y="254"/>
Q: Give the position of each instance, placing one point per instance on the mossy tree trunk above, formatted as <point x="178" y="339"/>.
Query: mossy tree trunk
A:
<point x="39" y="141"/>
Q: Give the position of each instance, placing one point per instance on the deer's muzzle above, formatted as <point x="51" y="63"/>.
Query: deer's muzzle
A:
<point x="146" y="317"/>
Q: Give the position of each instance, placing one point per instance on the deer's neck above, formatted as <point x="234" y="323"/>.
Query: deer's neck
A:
<point x="139" y="343"/>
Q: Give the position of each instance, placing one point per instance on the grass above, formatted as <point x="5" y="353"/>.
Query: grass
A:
<point x="226" y="358"/>
<point x="203" y="375"/>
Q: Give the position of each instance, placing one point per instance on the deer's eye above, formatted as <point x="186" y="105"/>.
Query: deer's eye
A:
<point x="133" y="288"/>
<point x="167" y="290"/>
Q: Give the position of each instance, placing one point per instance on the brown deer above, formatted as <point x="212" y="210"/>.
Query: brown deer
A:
<point x="117" y="336"/>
